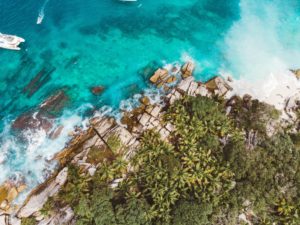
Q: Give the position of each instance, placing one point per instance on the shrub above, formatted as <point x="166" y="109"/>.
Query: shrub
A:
<point x="28" y="221"/>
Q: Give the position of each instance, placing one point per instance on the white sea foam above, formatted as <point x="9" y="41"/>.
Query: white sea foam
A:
<point x="29" y="158"/>
<point x="261" y="47"/>
<point x="41" y="15"/>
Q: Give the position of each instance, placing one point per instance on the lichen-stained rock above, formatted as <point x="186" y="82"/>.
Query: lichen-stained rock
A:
<point x="138" y="130"/>
<point x="192" y="89"/>
<point x="145" y="100"/>
<point x="8" y="193"/>
<point x="123" y="134"/>
<point x="185" y="84"/>
<point x="169" y="127"/>
<point x="144" y="119"/>
<point x="104" y="125"/>
<point x="201" y="90"/>
<point x="174" y="96"/>
<point x="90" y="142"/>
<point x="218" y="86"/>
<point x="297" y="73"/>
<point x="39" y="197"/>
<point x="155" y="111"/>
<point x="171" y="79"/>
<point x="131" y="149"/>
<point x="74" y="146"/>
<point x="187" y="69"/>
<point x="164" y="133"/>
<point x="12" y="194"/>
<point x="159" y="76"/>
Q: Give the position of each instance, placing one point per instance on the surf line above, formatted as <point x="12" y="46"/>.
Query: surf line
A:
<point x="41" y="13"/>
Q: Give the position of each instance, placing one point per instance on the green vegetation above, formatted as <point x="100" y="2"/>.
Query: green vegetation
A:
<point x="28" y="221"/>
<point x="204" y="174"/>
<point x="114" y="143"/>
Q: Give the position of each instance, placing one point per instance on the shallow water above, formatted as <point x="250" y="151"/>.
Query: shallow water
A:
<point x="81" y="44"/>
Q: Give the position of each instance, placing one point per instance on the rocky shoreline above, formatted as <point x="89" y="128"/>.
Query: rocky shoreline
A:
<point x="176" y="83"/>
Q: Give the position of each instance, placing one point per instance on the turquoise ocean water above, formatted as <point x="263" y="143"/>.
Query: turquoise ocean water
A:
<point x="80" y="44"/>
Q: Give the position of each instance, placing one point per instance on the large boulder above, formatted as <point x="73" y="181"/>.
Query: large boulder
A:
<point x="8" y="193"/>
<point x="187" y="69"/>
<point x="297" y="73"/>
<point x="145" y="100"/>
<point x="36" y="201"/>
<point x="159" y="76"/>
<point x="218" y="86"/>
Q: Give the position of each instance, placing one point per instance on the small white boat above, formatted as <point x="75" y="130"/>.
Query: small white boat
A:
<point x="10" y="41"/>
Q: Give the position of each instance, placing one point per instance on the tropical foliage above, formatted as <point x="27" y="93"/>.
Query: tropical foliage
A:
<point x="205" y="173"/>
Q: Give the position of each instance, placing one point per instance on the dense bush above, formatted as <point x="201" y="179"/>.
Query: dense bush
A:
<point x="204" y="174"/>
<point x="28" y="221"/>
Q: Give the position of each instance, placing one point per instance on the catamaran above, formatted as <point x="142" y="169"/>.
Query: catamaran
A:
<point x="10" y="41"/>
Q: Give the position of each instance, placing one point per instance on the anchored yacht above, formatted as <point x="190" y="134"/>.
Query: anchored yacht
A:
<point x="10" y="41"/>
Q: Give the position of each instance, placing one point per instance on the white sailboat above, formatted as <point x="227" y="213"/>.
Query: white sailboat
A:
<point x="10" y="41"/>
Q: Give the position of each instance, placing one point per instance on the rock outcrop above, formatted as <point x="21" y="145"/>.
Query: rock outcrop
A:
<point x="43" y="117"/>
<point x="159" y="77"/>
<point x="97" y="90"/>
<point x="40" y="195"/>
<point x="128" y="133"/>
<point x="8" y="193"/>
<point x="218" y="86"/>
<point x="187" y="69"/>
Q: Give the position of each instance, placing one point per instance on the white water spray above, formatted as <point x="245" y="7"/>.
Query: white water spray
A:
<point x="41" y="15"/>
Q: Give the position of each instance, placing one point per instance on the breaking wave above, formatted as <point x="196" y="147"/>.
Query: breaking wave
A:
<point x="262" y="46"/>
<point x="27" y="157"/>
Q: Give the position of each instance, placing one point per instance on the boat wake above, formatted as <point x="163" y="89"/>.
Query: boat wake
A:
<point x="41" y="15"/>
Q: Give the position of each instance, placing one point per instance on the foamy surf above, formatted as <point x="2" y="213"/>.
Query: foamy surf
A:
<point x="260" y="51"/>
<point x="41" y="15"/>
<point x="28" y="157"/>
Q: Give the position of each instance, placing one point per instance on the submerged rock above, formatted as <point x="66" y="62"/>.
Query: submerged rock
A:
<point x="148" y="70"/>
<point x="43" y="117"/>
<point x="32" y="121"/>
<point x="97" y="90"/>
<point x="53" y="105"/>
<point x="40" y="79"/>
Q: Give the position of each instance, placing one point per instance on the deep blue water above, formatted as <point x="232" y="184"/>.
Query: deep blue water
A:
<point x="81" y="44"/>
